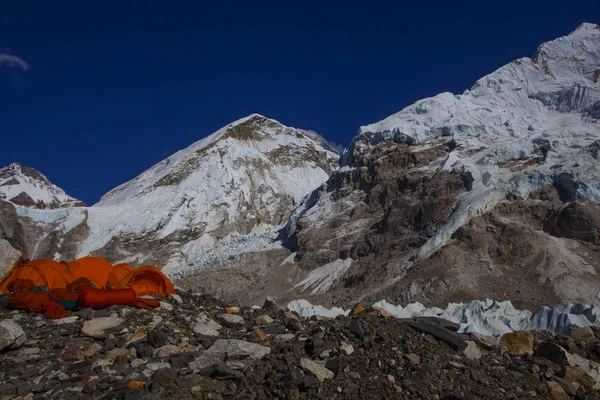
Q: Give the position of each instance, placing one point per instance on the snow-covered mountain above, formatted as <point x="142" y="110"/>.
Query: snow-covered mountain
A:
<point x="27" y="187"/>
<point x="493" y="191"/>
<point x="238" y="185"/>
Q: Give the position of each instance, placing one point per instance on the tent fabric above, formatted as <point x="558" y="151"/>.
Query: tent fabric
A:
<point x="48" y="273"/>
<point x="62" y="294"/>
<point x="102" y="298"/>
<point x="79" y="285"/>
<point x="36" y="303"/>
<point x="148" y="304"/>
<point x="118" y="272"/>
<point x="20" y="284"/>
<point x="55" y="310"/>
<point x="85" y="272"/>
<point x="147" y="280"/>
<point x="95" y="269"/>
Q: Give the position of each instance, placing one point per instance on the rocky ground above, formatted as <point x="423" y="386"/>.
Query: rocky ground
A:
<point x="196" y="347"/>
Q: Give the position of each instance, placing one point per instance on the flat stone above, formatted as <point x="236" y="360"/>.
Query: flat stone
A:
<point x="203" y="329"/>
<point x="284" y="337"/>
<point x="236" y="354"/>
<point x="166" y="351"/>
<point x="455" y="340"/>
<point x="318" y="370"/>
<point x="64" y="321"/>
<point x="484" y="341"/>
<point x="232" y="310"/>
<point x="263" y="320"/>
<point x="12" y="336"/>
<point x="158" y="365"/>
<point x="347" y="348"/>
<point x="413" y="358"/>
<point x="231" y="320"/>
<point x="472" y="352"/>
<point x="138" y="362"/>
<point x="166" y="306"/>
<point x="96" y="327"/>
<point x="138" y="335"/>
<point x="177" y="298"/>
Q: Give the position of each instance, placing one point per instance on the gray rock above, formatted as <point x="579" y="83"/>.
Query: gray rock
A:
<point x="8" y="256"/>
<point x="318" y="370"/>
<point x="64" y="321"/>
<point x="166" y="350"/>
<point x="205" y="330"/>
<point x="97" y="327"/>
<point x="455" y="340"/>
<point x="270" y="305"/>
<point x="12" y="335"/>
<point x="552" y="352"/>
<point x="263" y="320"/>
<point x="231" y="320"/>
<point x="177" y="298"/>
<point x="166" y="306"/>
<point x="236" y="354"/>
<point x="472" y="352"/>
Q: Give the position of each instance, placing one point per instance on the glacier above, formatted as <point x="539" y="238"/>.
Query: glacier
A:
<point x="486" y="317"/>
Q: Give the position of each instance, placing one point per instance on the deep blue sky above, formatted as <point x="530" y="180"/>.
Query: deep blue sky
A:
<point x="111" y="90"/>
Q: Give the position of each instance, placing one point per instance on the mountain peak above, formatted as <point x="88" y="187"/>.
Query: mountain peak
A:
<point x="28" y="187"/>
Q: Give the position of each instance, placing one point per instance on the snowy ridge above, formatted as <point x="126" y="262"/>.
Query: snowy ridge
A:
<point x="515" y="129"/>
<point x="487" y="317"/>
<point x="223" y="195"/>
<point x="27" y="187"/>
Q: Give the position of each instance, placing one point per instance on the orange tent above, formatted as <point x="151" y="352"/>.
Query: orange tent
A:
<point x="95" y="269"/>
<point x="41" y="272"/>
<point x="118" y="272"/>
<point x="144" y="280"/>
<point x="147" y="280"/>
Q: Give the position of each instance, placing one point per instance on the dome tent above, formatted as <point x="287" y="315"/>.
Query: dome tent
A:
<point x="53" y="275"/>
<point x="147" y="279"/>
<point x="118" y="272"/>
<point x="48" y="273"/>
<point x="96" y="269"/>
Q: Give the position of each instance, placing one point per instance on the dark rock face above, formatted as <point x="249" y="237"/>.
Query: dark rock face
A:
<point x="578" y="220"/>
<point x="397" y="203"/>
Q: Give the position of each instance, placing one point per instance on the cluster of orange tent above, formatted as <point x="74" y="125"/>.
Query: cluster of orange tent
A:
<point x="89" y="282"/>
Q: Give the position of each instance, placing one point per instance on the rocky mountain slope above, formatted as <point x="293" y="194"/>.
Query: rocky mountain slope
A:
<point x="488" y="194"/>
<point x="27" y="187"/>
<point x="194" y="347"/>
<point x="228" y="192"/>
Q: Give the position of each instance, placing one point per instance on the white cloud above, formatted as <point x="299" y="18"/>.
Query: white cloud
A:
<point x="13" y="61"/>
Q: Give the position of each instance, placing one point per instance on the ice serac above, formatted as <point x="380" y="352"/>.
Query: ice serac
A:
<point x="226" y="194"/>
<point x="27" y="187"/>
<point x="472" y="195"/>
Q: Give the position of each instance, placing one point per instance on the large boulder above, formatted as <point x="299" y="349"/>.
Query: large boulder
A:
<point x="12" y="335"/>
<point x="236" y="354"/>
<point x="8" y="256"/>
